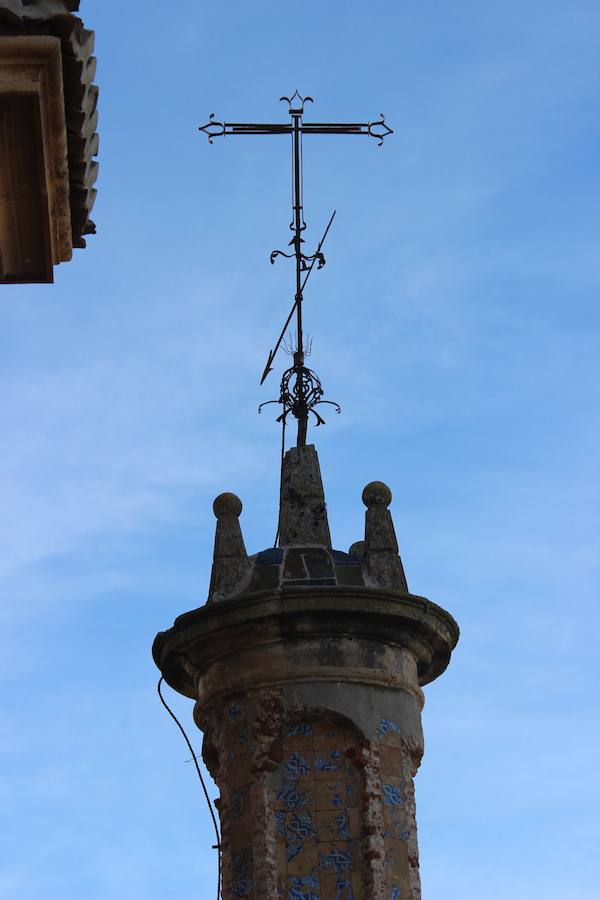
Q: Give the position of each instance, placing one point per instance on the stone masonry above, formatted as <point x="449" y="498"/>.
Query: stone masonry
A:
<point x="306" y="665"/>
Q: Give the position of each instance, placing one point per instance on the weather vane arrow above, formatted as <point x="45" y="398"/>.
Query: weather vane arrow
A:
<point x="300" y="390"/>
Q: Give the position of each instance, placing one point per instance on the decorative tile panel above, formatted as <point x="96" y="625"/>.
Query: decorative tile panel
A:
<point x="398" y="820"/>
<point x="318" y="792"/>
<point x="239" y="784"/>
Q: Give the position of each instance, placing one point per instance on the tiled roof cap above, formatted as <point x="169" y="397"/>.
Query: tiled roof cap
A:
<point x="37" y="9"/>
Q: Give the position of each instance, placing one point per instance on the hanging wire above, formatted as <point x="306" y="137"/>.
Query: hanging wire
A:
<point x="280" y="477"/>
<point x="217" y="846"/>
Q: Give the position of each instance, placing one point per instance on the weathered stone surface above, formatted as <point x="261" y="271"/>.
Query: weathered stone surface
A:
<point x="308" y="687"/>
<point x="302" y="514"/>
<point x="230" y="561"/>
<point x="290" y="620"/>
<point x="381" y="547"/>
<point x="309" y="799"/>
<point x="312" y="655"/>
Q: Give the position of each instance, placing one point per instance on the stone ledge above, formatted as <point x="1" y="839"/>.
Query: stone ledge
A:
<point x="295" y="616"/>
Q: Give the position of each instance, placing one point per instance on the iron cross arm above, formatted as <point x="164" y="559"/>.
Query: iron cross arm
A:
<point x="378" y="129"/>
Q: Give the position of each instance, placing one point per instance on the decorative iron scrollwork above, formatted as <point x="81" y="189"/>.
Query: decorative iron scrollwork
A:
<point x="304" y="258"/>
<point x="382" y="132"/>
<point x="296" y="96"/>
<point x="300" y="393"/>
<point x="208" y="129"/>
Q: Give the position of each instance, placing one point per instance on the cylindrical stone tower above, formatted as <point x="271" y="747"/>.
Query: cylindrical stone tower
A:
<point x="306" y="665"/>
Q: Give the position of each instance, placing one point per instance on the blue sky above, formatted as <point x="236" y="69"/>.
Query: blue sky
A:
<point x="456" y="322"/>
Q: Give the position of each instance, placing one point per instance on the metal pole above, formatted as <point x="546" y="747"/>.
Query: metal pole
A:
<point x="298" y="227"/>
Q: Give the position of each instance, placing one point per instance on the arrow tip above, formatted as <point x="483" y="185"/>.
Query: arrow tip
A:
<point x="267" y="367"/>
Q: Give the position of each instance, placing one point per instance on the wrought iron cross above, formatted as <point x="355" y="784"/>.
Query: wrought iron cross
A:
<point x="301" y="391"/>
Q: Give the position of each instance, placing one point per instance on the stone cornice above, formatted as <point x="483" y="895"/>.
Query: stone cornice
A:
<point x="293" y="616"/>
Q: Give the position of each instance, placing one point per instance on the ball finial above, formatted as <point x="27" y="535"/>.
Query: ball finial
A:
<point x="227" y="504"/>
<point x="376" y="493"/>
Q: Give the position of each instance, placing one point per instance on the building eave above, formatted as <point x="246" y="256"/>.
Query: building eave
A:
<point x="54" y="19"/>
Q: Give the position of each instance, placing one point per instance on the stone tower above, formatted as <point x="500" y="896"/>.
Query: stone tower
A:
<point x="306" y="666"/>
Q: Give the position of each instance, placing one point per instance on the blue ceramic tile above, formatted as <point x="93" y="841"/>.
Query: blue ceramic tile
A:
<point x="292" y="797"/>
<point x="303" y="888"/>
<point x="342" y="821"/>
<point x="299" y="830"/>
<point x="388" y="725"/>
<point x="329" y="763"/>
<point x="280" y="822"/>
<point x="301" y="826"/>
<point x="300" y="728"/>
<point x="337" y="860"/>
<point x="241" y="871"/>
<point x="392" y="795"/>
<point x="297" y="766"/>
<point x="343" y="889"/>
<point x="238" y="802"/>
<point x="398" y="831"/>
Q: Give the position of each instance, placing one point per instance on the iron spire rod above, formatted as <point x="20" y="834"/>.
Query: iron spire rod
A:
<point x="273" y="352"/>
<point x="301" y="409"/>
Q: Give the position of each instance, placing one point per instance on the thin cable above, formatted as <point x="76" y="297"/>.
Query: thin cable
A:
<point x="280" y="480"/>
<point x="202" y="782"/>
